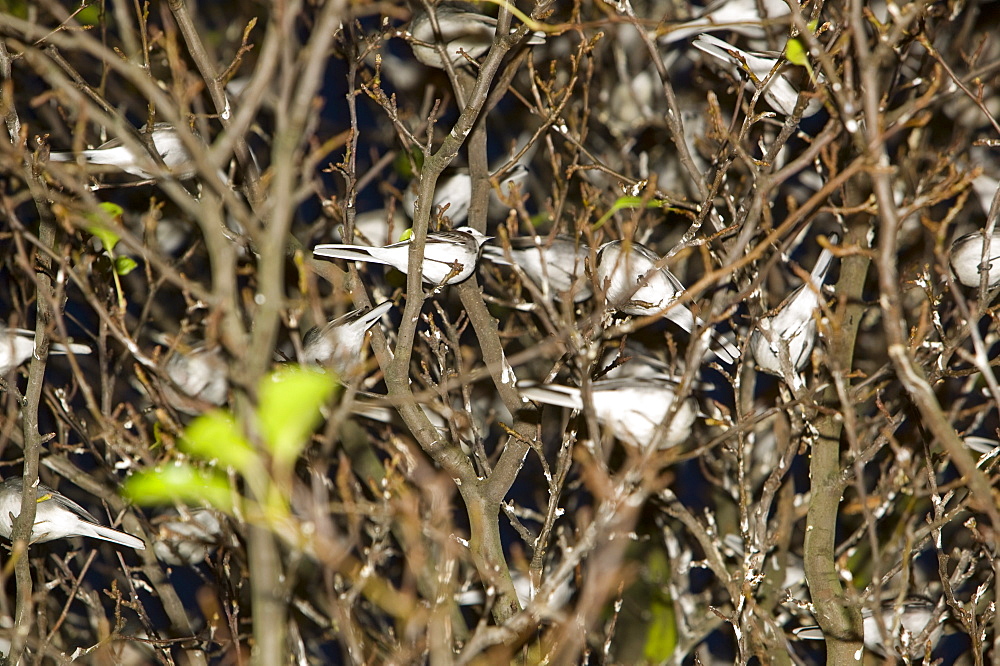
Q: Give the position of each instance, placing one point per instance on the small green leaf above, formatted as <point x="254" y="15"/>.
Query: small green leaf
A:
<point x="90" y="15"/>
<point x="406" y="235"/>
<point x="404" y="163"/>
<point x="289" y="409"/>
<point x="107" y="237"/>
<point x="98" y="228"/>
<point x="661" y="638"/>
<point x="124" y="265"/>
<point x="538" y="219"/>
<point x="113" y="210"/>
<point x="796" y="52"/>
<point x="157" y="436"/>
<point x="629" y="203"/>
<point x="179" y="482"/>
<point x="216" y="436"/>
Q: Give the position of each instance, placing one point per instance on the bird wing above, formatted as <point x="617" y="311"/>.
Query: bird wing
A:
<point x="46" y="494"/>
<point x="554" y="394"/>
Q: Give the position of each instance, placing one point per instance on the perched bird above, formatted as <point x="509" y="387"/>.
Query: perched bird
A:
<point x="338" y="344"/>
<point x="18" y="344"/>
<point x="632" y="409"/>
<point x="967" y="256"/>
<point x="187" y="539"/>
<point x="463" y="30"/>
<point x="455" y="190"/>
<point x="779" y="93"/>
<point x="555" y="265"/>
<point x="909" y="627"/>
<point x="56" y="517"/>
<point x="742" y="16"/>
<point x="443" y="417"/>
<point x="166" y="141"/>
<point x="792" y="330"/>
<point x="559" y="596"/>
<point x="634" y="285"/>
<point x="200" y="373"/>
<point x="450" y="257"/>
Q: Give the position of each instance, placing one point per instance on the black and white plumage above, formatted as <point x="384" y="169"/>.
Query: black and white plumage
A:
<point x="450" y="257"/>
<point x="455" y="189"/>
<point x="909" y="626"/>
<point x="632" y="283"/>
<point x="779" y="93"/>
<point x="742" y="16"/>
<point x="631" y="409"/>
<point x="634" y="361"/>
<point x="115" y="153"/>
<point x="556" y="265"/>
<point x="967" y="256"/>
<point x="56" y="517"/>
<point x="18" y="344"/>
<point x="187" y="539"/>
<point x="200" y="373"/>
<point x="792" y="329"/>
<point x="559" y="596"/>
<point x="981" y="445"/>
<point x="338" y="344"/>
<point x="463" y="29"/>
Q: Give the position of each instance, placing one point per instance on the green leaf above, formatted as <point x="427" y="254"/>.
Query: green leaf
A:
<point x="403" y="164"/>
<point x="89" y="15"/>
<point x="289" y="409"/>
<point x="538" y="219"/>
<point x="628" y="203"/>
<point x="98" y="228"/>
<point x="406" y="235"/>
<point x="661" y="638"/>
<point x="179" y="482"/>
<point x="216" y="436"/>
<point x="124" y="265"/>
<point x="107" y="237"/>
<point x="796" y="52"/>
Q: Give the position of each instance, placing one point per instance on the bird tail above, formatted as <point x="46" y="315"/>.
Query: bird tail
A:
<point x="372" y="411"/>
<point x="114" y="536"/>
<point x="348" y="252"/>
<point x="818" y="275"/>
<point x="366" y="320"/>
<point x="683" y="317"/>
<point x="554" y="394"/>
<point x="377" y="412"/>
<point x="118" y="156"/>
<point x="495" y="254"/>
<point x="812" y="633"/>
<point x="535" y="38"/>
<point x="58" y="348"/>
<point x="718" y="48"/>
<point x="725" y="350"/>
